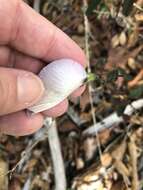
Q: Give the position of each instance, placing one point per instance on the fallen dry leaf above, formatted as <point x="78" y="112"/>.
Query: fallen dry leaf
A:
<point x="67" y="125"/>
<point x="119" y="56"/>
<point x="3" y="174"/>
<point x="84" y="100"/>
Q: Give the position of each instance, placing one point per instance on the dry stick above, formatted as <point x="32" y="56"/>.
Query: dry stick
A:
<point x="133" y="155"/>
<point x="36" y="5"/>
<point x="50" y="132"/>
<point x="87" y="50"/>
<point x="136" y="80"/>
<point x="55" y="148"/>
<point x="39" y="136"/>
<point x="138" y="5"/>
<point x="27" y="184"/>
<point x="114" y="119"/>
<point x="74" y="116"/>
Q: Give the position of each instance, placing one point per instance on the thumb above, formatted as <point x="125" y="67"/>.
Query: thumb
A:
<point x="18" y="90"/>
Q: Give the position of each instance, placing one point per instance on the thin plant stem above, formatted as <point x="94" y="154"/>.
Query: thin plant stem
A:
<point x="87" y="51"/>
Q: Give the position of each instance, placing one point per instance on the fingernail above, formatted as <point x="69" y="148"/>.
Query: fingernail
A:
<point x="29" y="88"/>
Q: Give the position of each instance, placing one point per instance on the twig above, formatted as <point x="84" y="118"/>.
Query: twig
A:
<point x="39" y="136"/>
<point x="25" y="155"/>
<point x="50" y="132"/>
<point x="74" y="116"/>
<point x="136" y="80"/>
<point x="27" y="184"/>
<point x="36" y="5"/>
<point x="138" y="6"/>
<point x="114" y="119"/>
<point x="55" y="148"/>
<point x="87" y="50"/>
<point x="123" y="170"/>
<point x="133" y="155"/>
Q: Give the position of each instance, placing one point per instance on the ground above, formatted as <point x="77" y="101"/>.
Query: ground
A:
<point x="101" y="134"/>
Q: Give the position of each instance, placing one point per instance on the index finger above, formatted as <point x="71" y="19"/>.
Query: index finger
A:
<point x="32" y="34"/>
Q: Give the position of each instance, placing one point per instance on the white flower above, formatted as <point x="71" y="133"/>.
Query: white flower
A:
<point x="60" y="78"/>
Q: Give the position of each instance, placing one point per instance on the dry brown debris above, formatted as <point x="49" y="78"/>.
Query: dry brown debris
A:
<point x="115" y="41"/>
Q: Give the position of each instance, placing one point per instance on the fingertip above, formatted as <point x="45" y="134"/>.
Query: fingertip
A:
<point x="57" y="110"/>
<point x="19" y="124"/>
<point x="78" y="92"/>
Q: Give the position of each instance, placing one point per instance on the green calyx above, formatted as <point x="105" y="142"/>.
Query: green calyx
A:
<point x="90" y="77"/>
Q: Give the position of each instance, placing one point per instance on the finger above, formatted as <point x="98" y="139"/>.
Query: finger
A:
<point x="5" y="59"/>
<point x="32" y="34"/>
<point x="57" y="110"/>
<point x="19" y="124"/>
<point x="12" y="58"/>
<point x="18" y="90"/>
<point x="78" y="92"/>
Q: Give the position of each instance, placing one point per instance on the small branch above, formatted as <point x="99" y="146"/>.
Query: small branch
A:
<point x="39" y="136"/>
<point x="133" y="155"/>
<point x="138" y="5"/>
<point x="74" y="116"/>
<point x="104" y="124"/>
<point x="55" y="148"/>
<point x="114" y="119"/>
<point x="27" y="184"/>
<point x="25" y="155"/>
<point x="50" y="132"/>
<point x="36" y="5"/>
<point x="136" y="105"/>
<point x="136" y="80"/>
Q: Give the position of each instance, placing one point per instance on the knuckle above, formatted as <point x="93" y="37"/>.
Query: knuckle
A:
<point x="15" y="27"/>
<point x="52" y="42"/>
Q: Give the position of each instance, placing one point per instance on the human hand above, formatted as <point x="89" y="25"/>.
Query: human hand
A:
<point x="27" y="41"/>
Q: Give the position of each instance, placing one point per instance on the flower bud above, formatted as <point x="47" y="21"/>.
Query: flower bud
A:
<point x="60" y="79"/>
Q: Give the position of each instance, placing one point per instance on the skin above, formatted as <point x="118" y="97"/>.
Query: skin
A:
<point x="27" y="42"/>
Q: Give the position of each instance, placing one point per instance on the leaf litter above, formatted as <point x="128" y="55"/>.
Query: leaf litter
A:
<point x="116" y="53"/>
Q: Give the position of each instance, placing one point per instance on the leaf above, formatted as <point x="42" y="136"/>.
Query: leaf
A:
<point x="103" y="9"/>
<point x="122" y="56"/>
<point x="112" y="75"/>
<point x="92" y="6"/>
<point x="136" y="93"/>
<point x="127" y="7"/>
